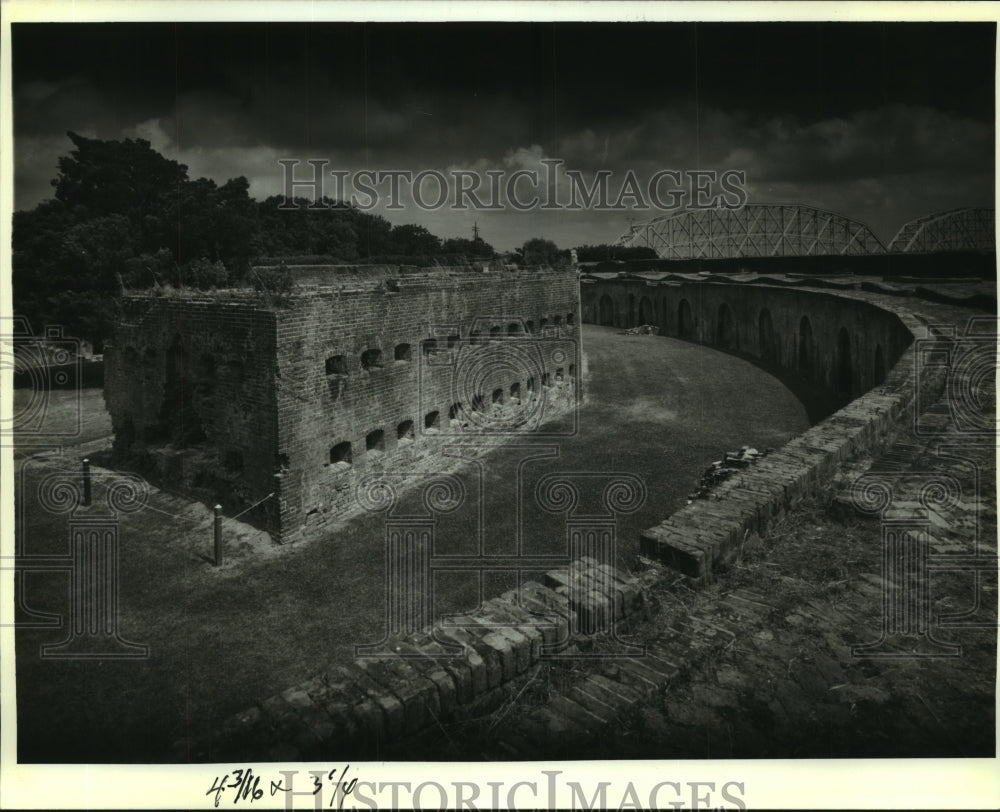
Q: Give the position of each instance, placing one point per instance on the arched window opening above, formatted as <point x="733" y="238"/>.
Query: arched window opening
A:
<point x="685" y="321"/>
<point x="805" y="346"/>
<point x="843" y="372"/>
<point x="375" y="442"/>
<point x="725" y="329"/>
<point x="606" y="311"/>
<point x="404" y="432"/>
<point x="767" y="343"/>
<point x="341" y="453"/>
<point x="878" y="371"/>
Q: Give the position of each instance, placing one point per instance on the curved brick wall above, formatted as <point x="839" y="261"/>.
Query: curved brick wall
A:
<point x="850" y="342"/>
<point x="844" y="344"/>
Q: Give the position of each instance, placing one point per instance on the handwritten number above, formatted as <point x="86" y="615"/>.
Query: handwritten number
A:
<point x="248" y="789"/>
<point x="247" y="786"/>
<point x="217" y="787"/>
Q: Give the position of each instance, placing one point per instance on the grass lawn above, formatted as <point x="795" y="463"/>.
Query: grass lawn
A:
<point x="58" y="418"/>
<point x="223" y="639"/>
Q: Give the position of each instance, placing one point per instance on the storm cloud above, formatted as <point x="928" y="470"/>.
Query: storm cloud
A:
<point x="846" y="118"/>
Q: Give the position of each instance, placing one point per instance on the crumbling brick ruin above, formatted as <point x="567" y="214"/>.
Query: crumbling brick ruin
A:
<point x="234" y="395"/>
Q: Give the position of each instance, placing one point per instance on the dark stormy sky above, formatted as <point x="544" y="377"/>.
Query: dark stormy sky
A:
<point x="881" y="122"/>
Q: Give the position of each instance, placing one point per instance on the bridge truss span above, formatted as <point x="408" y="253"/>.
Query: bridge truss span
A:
<point x="955" y="230"/>
<point x="756" y="230"/>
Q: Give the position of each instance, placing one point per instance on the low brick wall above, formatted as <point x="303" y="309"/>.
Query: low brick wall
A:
<point x="854" y="342"/>
<point x="707" y="533"/>
<point x="441" y="673"/>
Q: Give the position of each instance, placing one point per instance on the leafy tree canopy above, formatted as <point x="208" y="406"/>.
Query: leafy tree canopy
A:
<point x="538" y="252"/>
<point x="605" y="253"/>
<point x="124" y="215"/>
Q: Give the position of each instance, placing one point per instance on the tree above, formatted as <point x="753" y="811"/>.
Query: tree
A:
<point x="462" y="246"/>
<point x="118" y="207"/>
<point x="608" y="253"/>
<point x="539" y="252"/>
<point x="148" y="270"/>
<point x="121" y="177"/>
<point x="67" y="272"/>
<point x="218" y="223"/>
<point x="284" y="232"/>
<point x="374" y="234"/>
<point x="414" y="240"/>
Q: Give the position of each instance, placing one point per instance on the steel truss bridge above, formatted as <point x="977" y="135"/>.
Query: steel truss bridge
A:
<point x="956" y="230"/>
<point x="780" y="230"/>
<point x="756" y="230"/>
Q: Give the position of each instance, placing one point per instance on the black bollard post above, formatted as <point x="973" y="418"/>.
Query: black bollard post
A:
<point x="86" y="482"/>
<point x="218" y="535"/>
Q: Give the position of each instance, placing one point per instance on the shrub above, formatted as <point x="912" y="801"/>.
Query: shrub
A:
<point x="204" y="275"/>
<point x="272" y="280"/>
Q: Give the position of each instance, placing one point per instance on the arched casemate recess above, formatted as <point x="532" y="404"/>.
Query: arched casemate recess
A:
<point x="842" y="343"/>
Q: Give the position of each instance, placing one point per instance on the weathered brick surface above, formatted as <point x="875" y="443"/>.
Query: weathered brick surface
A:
<point x="260" y="394"/>
<point x="197" y="374"/>
<point x="877" y="352"/>
<point x="318" y="410"/>
<point x="766" y="322"/>
<point x="772" y="670"/>
<point x="445" y="672"/>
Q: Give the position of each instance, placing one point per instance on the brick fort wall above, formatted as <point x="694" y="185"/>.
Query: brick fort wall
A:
<point x="190" y="386"/>
<point x="232" y="396"/>
<point x="845" y="345"/>
<point x="383" y="376"/>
